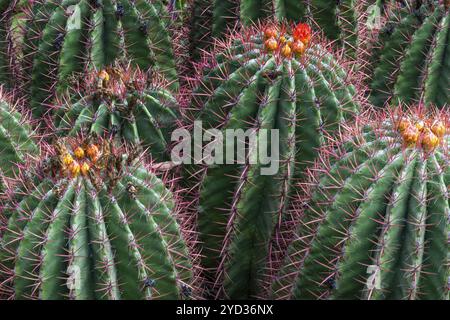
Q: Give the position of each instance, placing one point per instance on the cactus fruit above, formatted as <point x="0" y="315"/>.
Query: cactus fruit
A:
<point x="214" y="18"/>
<point x="253" y="84"/>
<point x="98" y="225"/>
<point x="376" y="221"/>
<point x="64" y="38"/>
<point x="413" y="62"/>
<point x="16" y="140"/>
<point x="120" y="102"/>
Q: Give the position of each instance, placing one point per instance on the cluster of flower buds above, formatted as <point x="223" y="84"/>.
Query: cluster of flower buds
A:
<point x="286" y="44"/>
<point x="80" y="160"/>
<point x="427" y="133"/>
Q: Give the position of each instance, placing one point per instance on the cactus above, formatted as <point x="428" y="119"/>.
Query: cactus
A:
<point x="413" y="56"/>
<point x="119" y="102"/>
<point x="16" y="140"/>
<point x="263" y="78"/>
<point x="64" y="38"/>
<point x="213" y="18"/>
<point x="376" y="223"/>
<point x="98" y="225"/>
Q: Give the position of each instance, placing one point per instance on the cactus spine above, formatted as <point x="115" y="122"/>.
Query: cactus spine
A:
<point x="258" y="82"/>
<point x="376" y="225"/>
<point x="64" y="38"/>
<point x="98" y="225"/>
<point x="121" y="103"/>
<point x="414" y="58"/>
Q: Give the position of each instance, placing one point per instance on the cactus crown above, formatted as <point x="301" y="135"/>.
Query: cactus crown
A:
<point x="376" y="219"/>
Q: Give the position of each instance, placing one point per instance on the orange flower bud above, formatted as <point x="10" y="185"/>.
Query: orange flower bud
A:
<point x="298" y="47"/>
<point x="270" y="32"/>
<point x="75" y="169"/>
<point x="92" y="151"/>
<point x="438" y="128"/>
<point x="79" y="153"/>
<point x="85" y="169"/>
<point x="271" y="44"/>
<point x="286" y="51"/>
<point x="403" y="124"/>
<point x="411" y="135"/>
<point x="103" y="75"/>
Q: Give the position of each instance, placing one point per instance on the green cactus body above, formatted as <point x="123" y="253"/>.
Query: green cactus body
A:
<point x="64" y="38"/>
<point x="376" y="225"/>
<point x="103" y="234"/>
<point x="213" y="18"/>
<point x="414" y="59"/>
<point x="16" y="140"/>
<point x="249" y="88"/>
<point x="142" y="115"/>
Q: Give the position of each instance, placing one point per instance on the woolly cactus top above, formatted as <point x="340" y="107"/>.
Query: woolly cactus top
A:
<point x="376" y="222"/>
<point x="96" y="225"/>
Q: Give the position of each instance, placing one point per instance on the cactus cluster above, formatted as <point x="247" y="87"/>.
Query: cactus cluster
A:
<point x="412" y="62"/>
<point x="98" y="225"/>
<point x="376" y="223"/>
<point x="61" y="38"/>
<point x="224" y="149"/>
<point x="272" y="77"/>
<point x="120" y="102"/>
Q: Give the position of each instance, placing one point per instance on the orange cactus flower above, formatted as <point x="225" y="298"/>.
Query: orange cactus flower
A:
<point x="302" y="32"/>
<point x="420" y="125"/>
<point x="271" y="44"/>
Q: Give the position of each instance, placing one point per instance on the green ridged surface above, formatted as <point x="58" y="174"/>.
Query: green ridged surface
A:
<point x="16" y="141"/>
<point x="212" y="18"/>
<point x="117" y="243"/>
<point x="144" y="118"/>
<point x="238" y="206"/>
<point x="64" y="38"/>
<point x="376" y="226"/>
<point x="414" y="59"/>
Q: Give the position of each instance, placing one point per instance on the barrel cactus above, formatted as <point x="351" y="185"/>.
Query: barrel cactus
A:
<point x="412" y="61"/>
<point x="62" y="38"/>
<point x="16" y="139"/>
<point x="213" y="18"/>
<point x="263" y="78"/>
<point x="376" y="224"/>
<point x="97" y="225"/>
<point x="121" y="102"/>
